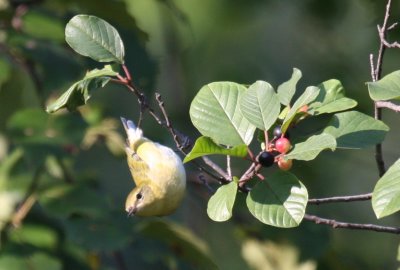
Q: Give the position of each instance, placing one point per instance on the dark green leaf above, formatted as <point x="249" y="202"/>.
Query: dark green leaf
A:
<point x="206" y="146"/>
<point x="215" y="113"/>
<point x="80" y="92"/>
<point x="5" y="73"/>
<point x="287" y="89"/>
<point x="386" y="88"/>
<point x="36" y="235"/>
<point x="386" y="195"/>
<point x="260" y="105"/>
<point x="100" y="234"/>
<point x="356" y="130"/>
<point x="310" y="149"/>
<point x="192" y="249"/>
<point x="280" y="200"/>
<point x="220" y="205"/>
<point x="36" y="261"/>
<point x="43" y="26"/>
<point x="65" y="200"/>
<point x="93" y="37"/>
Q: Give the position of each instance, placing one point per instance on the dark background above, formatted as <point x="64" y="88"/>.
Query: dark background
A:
<point x="72" y="168"/>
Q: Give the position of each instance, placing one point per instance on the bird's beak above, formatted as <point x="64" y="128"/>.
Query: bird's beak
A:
<point x="131" y="211"/>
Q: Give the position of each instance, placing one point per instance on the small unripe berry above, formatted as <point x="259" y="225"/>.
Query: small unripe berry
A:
<point x="282" y="145"/>
<point x="304" y="109"/>
<point x="266" y="159"/>
<point x="285" y="165"/>
<point x="277" y="132"/>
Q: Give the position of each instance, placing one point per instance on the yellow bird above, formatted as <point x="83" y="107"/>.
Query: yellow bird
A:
<point x="158" y="173"/>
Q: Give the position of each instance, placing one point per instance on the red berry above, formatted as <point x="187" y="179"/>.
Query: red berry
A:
<point x="304" y="109"/>
<point x="282" y="145"/>
<point x="285" y="165"/>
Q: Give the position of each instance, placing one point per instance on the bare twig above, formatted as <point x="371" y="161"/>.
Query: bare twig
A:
<point x="228" y="166"/>
<point x="389" y="105"/>
<point x="119" y="260"/>
<point x="203" y="180"/>
<point x="181" y="144"/>
<point x="376" y="72"/>
<point x="29" y="199"/>
<point x="352" y="198"/>
<point x="353" y="226"/>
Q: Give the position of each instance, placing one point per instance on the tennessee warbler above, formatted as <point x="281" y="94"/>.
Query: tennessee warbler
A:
<point x="158" y="173"/>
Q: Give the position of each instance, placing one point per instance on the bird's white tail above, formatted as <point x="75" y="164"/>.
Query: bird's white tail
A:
<point x="134" y="133"/>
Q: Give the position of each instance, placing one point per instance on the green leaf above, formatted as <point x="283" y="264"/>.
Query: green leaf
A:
<point x="309" y="149"/>
<point x="206" y="146"/>
<point x="5" y="73"/>
<point x="356" y="130"/>
<point x="308" y="96"/>
<point x="35" y="261"/>
<point x="287" y="89"/>
<point x="220" y="205"/>
<point x="386" y="88"/>
<point x="331" y="98"/>
<point x="65" y="200"/>
<point x="280" y="200"/>
<point x="386" y="195"/>
<point x="215" y="113"/>
<point x="36" y="235"/>
<point x="43" y="26"/>
<point x="108" y="233"/>
<point x="80" y="92"/>
<point x="260" y="105"/>
<point x="191" y="248"/>
<point x="93" y="37"/>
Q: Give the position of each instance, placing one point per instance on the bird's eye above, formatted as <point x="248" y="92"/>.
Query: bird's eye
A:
<point x="139" y="196"/>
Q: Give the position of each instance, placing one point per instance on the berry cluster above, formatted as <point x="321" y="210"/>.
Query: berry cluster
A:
<point x="277" y="147"/>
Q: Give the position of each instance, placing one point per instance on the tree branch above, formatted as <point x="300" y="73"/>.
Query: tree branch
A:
<point x="352" y="198"/>
<point x="352" y="226"/>
<point x="182" y="141"/>
<point x="389" y="105"/>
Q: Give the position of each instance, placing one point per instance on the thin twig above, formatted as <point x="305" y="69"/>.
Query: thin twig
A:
<point x="119" y="260"/>
<point x="180" y="143"/>
<point x="29" y="199"/>
<point x="353" y="226"/>
<point x="376" y="75"/>
<point x="352" y="198"/>
<point x="216" y="168"/>
<point x="203" y="180"/>
<point x="388" y="105"/>
<point x="228" y="166"/>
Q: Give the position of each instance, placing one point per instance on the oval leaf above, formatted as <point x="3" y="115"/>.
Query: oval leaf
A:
<point x="192" y="248"/>
<point x="93" y="37"/>
<point x="280" y="200"/>
<point x="386" y="195"/>
<point x="215" y="113"/>
<point x="386" y="88"/>
<point x="308" y="96"/>
<point x="80" y="92"/>
<point x="356" y="130"/>
<point x="206" y="146"/>
<point x="287" y="89"/>
<point x="309" y="149"/>
<point x="331" y="98"/>
<point x="220" y="205"/>
<point x="260" y="105"/>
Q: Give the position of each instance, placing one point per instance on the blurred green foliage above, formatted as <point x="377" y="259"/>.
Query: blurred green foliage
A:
<point x="66" y="173"/>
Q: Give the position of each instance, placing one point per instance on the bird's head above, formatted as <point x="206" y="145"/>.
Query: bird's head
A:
<point x="142" y="201"/>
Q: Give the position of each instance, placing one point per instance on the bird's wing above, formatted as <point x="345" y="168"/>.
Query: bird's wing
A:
<point x="138" y="167"/>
